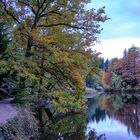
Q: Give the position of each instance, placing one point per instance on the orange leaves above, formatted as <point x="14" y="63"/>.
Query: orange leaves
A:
<point x="76" y="76"/>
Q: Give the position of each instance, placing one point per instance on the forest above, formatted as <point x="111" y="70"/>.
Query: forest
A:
<point x="124" y="72"/>
<point x="47" y="63"/>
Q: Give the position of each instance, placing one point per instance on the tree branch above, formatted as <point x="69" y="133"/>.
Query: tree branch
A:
<point x="8" y="12"/>
<point x="43" y="9"/>
<point x="38" y="4"/>
<point x="63" y="24"/>
<point x="27" y="4"/>
<point x="51" y="12"/>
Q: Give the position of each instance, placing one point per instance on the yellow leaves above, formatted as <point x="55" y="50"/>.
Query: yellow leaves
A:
<point x="25" y="73"/>
<point x="74" y="65"/>
<point x="40" y="38"/>
<point x="66" y="102"/>
<point x="102" y="75"/>
<point x="28" y="75"/>
<point x="83" y="101"/>
<point x="59" y="107"/>
<point x="76" y="76"/>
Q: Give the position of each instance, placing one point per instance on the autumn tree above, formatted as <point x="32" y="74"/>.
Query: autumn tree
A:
<point x="40" y="20"/>
<point x="51" y="54"/>
<point x="128" y="67"/>
<point x="93" y="78"/>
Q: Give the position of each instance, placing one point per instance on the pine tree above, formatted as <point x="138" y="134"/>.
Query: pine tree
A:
<point x="102" y="64"/>
<point x="125" y="53"/>
<point x="106" y="64"/>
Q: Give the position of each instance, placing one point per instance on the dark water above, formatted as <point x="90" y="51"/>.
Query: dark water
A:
<point x="108" y="117"/>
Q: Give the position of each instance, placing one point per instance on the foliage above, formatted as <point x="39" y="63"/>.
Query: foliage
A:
<point x="116" y="81"/>
<point x="4" y="39"/>
<point x="104" y="64"/>
<point x="94" y="78"/>
<point x="49" y="18"/>
<point x="93" y="81"/>
<point x="49" y="53"/>
<point x="69" y="102"/>
<point x="127" y="68"/>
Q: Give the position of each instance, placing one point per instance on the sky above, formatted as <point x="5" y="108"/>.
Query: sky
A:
<point x="122" y="30"/>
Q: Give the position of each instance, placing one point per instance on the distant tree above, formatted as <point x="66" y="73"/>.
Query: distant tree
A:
<point x="113" y="60"/>
<point x="107" y="62"/>
<point x="102" y="64"/>
<point x="108" y="78"/>
<point x="93" y="81"/>
<point x="116" y="81"/>
<point x="128" y="67"/>
<point x="125" y="53"/>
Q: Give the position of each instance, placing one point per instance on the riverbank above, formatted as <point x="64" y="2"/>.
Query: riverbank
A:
<point x="119" y="91"/>
<point x="90" y="92"/>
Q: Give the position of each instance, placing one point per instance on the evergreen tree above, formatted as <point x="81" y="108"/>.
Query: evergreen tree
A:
<point x="102" y="64"/>
<point x="106" y="64"/>
<point x="125" y="53"/>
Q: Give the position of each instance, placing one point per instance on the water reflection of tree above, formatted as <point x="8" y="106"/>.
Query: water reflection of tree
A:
<point x="131" y="119"/>
<point x="95" y="112"/>
<point x="128" y="114"/>
<point x="71" y="127"/>
<point x="68" y="128"/>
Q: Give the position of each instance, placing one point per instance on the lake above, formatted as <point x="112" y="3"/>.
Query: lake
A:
<point x="107" y="117"/>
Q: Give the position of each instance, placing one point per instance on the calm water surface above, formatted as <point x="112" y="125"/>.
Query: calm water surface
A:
<point x="108" y="117"/>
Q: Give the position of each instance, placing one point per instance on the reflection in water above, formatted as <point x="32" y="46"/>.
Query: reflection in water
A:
<point x="119" y="121"/>
<point x="109" y="116"/>
<point x="68" y="128"/>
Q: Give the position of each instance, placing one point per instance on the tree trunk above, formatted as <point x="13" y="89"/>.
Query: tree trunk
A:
<point x="29" y="46"/>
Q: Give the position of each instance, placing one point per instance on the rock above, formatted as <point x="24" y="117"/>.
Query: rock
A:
<point x="90" y="92"/>
<point x="99" y="88"/>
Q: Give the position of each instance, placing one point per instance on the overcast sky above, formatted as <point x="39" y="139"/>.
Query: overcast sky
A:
<point x="122" y="30"/>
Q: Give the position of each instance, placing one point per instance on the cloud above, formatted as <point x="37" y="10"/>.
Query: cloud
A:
<point x="111" y="48"/>
<point x="122" y="31"/>
<point x="124" y="16"/>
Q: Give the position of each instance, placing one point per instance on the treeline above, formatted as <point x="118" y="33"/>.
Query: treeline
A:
<point x="124" y="72"/>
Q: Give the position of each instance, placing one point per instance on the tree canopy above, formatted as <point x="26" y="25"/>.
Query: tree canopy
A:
<point x="127" y="68"/>
<point x="50" y="53"/>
